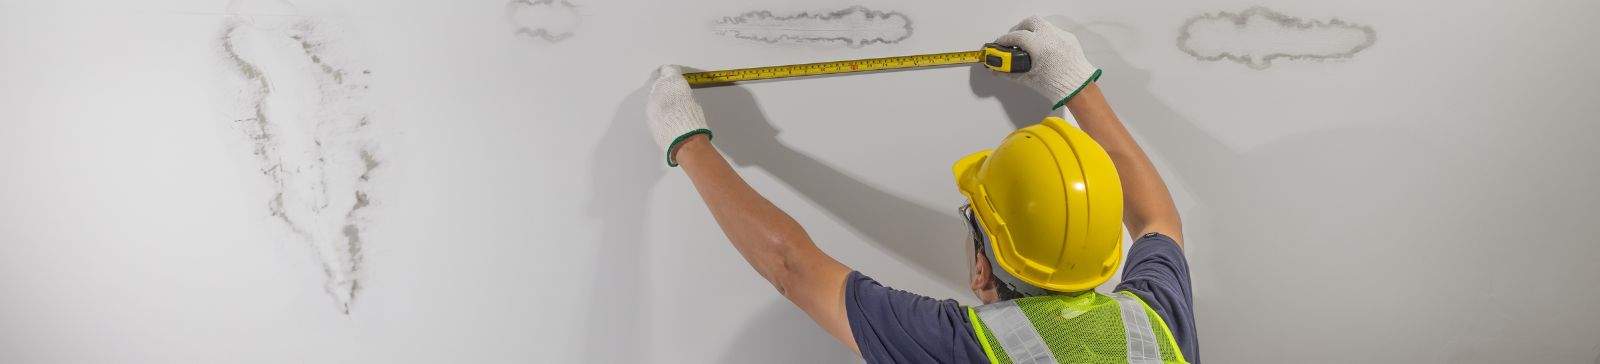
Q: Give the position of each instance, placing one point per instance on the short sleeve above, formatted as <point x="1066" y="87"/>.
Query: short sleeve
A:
<point x="1158" y="273"/>
<point x="894" y="326"/>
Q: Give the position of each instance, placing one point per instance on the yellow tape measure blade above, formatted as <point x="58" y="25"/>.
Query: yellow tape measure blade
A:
<point x="835" y="67"/>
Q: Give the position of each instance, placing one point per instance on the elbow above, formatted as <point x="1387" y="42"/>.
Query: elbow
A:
<point x="785" y="258"/>
<point x="790" y="267"/>
<point x="788" y="275"/>
<point x="780" y="267"/>
<point x="782" y="279"/>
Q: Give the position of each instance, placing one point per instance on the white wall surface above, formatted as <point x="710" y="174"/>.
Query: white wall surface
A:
<point x="1428" y="200"/>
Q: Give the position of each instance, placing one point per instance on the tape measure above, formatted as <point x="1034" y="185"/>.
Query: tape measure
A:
<point x="994" y="56"/>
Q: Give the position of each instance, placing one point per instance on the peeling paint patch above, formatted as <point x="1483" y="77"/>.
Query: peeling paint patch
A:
<point x="549" y="20"/>
<point x="301" y="106"/>
<point x="1259" y="36"/>
<point x="856" y="26"/>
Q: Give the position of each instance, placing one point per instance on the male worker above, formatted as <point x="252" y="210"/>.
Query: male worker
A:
<point x="1045" y="207"/>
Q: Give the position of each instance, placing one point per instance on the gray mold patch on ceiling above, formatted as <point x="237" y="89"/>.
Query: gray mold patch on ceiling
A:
<point x="300" y="103"/>
<point x="856" y="26"/>
<point x="547" y="20"/>
<point x="1258" y="36"/>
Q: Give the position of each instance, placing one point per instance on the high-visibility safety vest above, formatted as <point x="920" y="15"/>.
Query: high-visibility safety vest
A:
<point x="1087" y="328"/>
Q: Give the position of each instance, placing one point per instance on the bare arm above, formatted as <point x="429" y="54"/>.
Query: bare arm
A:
<point x="774" y="244"/>
<point x="1147" y="206"/>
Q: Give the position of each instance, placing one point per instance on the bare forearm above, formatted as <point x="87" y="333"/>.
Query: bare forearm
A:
<point x="774" y="244"/>
<point x="1148" y="205"/>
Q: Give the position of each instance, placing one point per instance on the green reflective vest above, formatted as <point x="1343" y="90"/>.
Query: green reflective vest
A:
<point x="1087" y="328"/>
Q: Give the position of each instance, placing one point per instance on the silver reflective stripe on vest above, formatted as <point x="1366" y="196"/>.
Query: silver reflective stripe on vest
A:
<point x="1142" y="347"/>
<point x="1015" y="333"/>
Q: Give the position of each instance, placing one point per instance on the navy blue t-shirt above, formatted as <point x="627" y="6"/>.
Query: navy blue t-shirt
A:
<point x="894" y="326"/>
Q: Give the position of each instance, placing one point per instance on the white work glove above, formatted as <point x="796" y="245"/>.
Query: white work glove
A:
<point x="1059" y="68"/>
<point x="672" y="113"/>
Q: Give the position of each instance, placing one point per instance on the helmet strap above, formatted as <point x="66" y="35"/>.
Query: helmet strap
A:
<point x="1008" y="286"/>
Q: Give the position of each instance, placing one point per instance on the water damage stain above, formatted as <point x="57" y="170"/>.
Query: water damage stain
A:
<point x="548" y="20"/>
<point x="302" y="107"/>
<point x="855" y="26"/>
<point x="1259" y="36"/>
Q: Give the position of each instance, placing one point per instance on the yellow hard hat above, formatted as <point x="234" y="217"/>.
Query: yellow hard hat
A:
<point x="1049" y="199"/>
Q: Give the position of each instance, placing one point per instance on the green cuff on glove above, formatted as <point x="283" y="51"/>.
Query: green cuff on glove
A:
<point x="1086" y="83"/>
<point x="674" y="146"/>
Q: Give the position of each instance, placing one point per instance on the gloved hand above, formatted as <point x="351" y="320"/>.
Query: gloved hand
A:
<point x="672" y="112"/>
<point x="1059" y="68"/>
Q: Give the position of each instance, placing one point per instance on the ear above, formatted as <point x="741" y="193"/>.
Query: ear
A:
<point x="981" y="280"/>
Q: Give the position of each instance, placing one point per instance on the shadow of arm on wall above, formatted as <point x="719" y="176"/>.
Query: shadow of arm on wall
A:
<point x="928" y="240"/>
<point x="1193" y="152"/>
<point x="782" y="334"/>
<point x="1023" y="105"/>
<point x="1200" y="160"/>
<point x="623" y="171"/>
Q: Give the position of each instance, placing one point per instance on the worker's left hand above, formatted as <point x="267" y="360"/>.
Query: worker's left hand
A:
<point x="672" y="112"/>
<point x="1060" y="69"/>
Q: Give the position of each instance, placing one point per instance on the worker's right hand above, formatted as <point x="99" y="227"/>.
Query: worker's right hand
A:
<point x="672" y="112"/>
<point x="1060" y="69"/>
